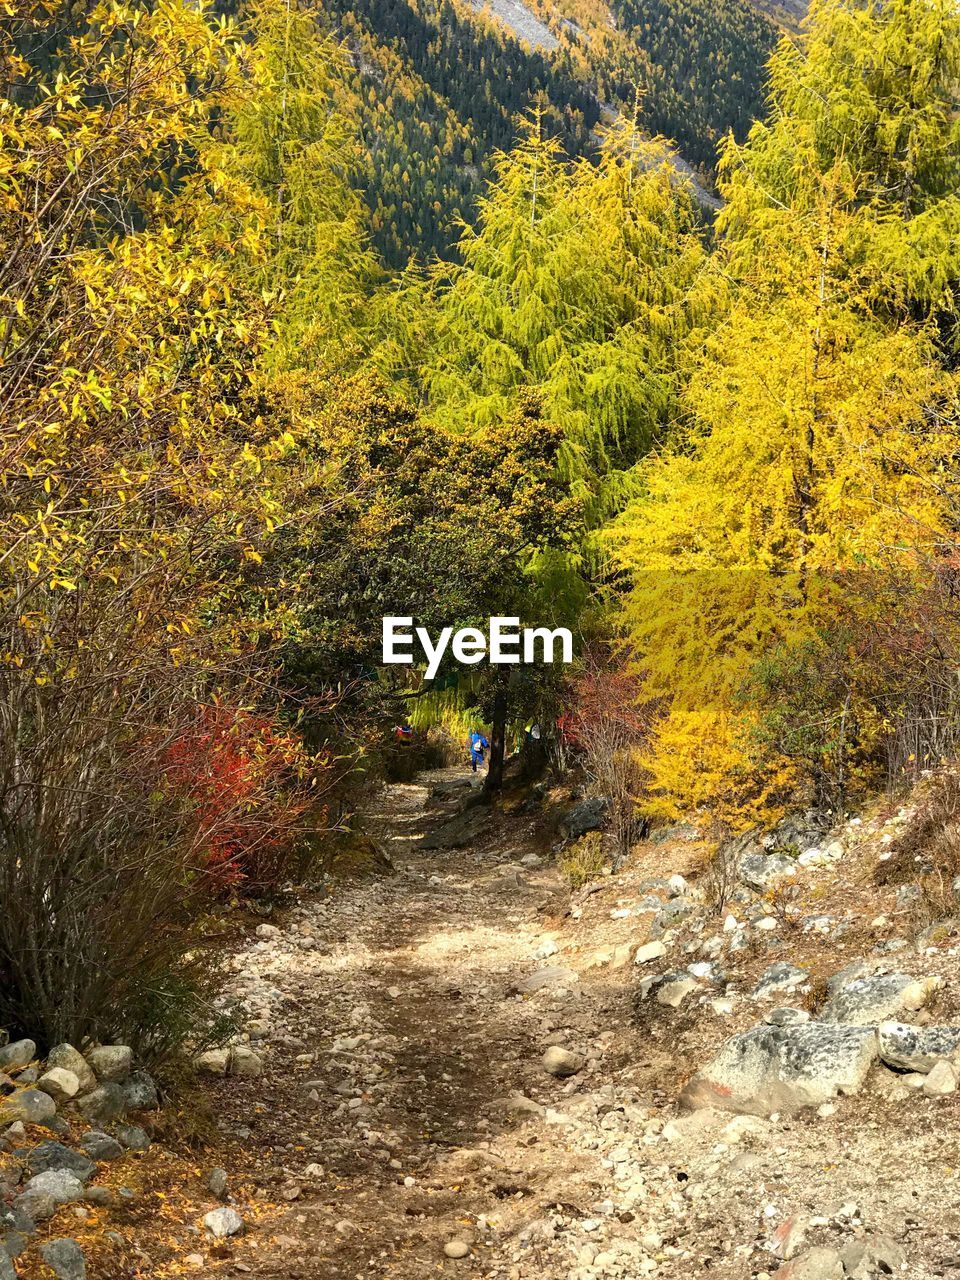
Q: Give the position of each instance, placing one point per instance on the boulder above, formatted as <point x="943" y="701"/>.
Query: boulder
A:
<point x="223" y="1222"/>
<point x="62" y="1085"/>
<point x="54" y="1155"/>
<point x="941" y="1081"/>
<point x="6" y="1266"/>
<point x="214" y="1062"/>
<point x="462" y="829"/>
<point x="865" y="1259"/>
<point x="588" y="815"/>
<point x="670" y="989"/>
<point x="815" y="1264"/>
<point x="649" y="951"/>
<point x="100" y="1146"/>
<point x="29" y="1106"/>
<point x="15" y="1056"/>
<point x="140" y="1092"/>
<point x="791" y="1235"/>
<point x="244" y="1062"/>
<point x="64" y="1257"/>
<point x="761" y="871"/>
<point x="562" y="1062"/>
<point x="70" y="1059"/>
<point x="779" y="977"/>
<point x="103" y="1105"/>
<point x="111" y="1063"/>
<point x="44" y="1193"/>
<point x="787" y="1016"/>
<point x="133" y="1137"/>
<point x="771" y="1068"/>
<point x="917" y="1048"/>
<point x="869" y="1001"/>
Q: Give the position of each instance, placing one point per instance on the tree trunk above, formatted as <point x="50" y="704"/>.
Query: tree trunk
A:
<point x="498" y="740"/>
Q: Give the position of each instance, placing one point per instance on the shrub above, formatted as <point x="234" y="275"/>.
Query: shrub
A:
<point x="123" y="803"/>
<point x="254" y="794"/>
<point x="927" y="850"/>
<point x="607" y="725"/>
<point x="583" y="861"/>
<point x="95" y="864"/>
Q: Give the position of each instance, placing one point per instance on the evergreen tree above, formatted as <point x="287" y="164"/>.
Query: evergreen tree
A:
<point x="295" y="148"/>
<point x="862" y="138"/>
<point x="576" y="284"/>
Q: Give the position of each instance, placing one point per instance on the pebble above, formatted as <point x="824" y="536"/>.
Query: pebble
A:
<point x="456" y="1249"/>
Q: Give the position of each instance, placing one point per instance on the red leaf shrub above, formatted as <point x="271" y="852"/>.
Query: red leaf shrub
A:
<point x="254" y="791"/>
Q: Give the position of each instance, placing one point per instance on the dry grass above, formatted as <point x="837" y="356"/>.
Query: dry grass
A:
<point x="927" y="851"/>
<point x="583" y="861"/>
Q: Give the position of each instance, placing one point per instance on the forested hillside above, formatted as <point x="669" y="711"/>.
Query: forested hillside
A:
<point x="437" y="91"/>
<point x="698" y="65"/>
<point x="438" y="87"/>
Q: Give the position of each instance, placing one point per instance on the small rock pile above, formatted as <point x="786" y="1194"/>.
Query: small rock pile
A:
<point x="98" y="1088"/>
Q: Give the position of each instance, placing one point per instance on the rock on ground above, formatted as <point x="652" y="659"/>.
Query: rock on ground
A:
<point x="70" y="1059"/>
<point x="111" y="1063"/>
<point x="223" y="1222"/>
<point x="869" y="1001"/>
<point x="770" y="1069"/>
<point x="29" y="1106"/>
<point x="562" y="1062"/>
<point x="917" y="1048"/>
<point x="65" y="1259"/>
<point x="815" y="1264"/>
<point x="62" y="1085"/>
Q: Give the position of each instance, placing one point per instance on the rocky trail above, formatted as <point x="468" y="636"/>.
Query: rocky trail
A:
<point x="459" y="1067"/>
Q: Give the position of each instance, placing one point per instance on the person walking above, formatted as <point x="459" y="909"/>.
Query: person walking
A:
<point x="478" y="745"/>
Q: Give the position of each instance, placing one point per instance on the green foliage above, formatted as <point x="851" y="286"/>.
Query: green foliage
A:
<point x="529" y="310"/>
<point x="410" y="520"/>
<point x="293" y="146"/>
<point x="583" y="861"/>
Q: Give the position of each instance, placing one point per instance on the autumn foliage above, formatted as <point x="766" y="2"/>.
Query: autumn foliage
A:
<point x="254" y="794"/>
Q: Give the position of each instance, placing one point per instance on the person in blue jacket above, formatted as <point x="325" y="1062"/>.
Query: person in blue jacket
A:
<point x="478" y="745"/>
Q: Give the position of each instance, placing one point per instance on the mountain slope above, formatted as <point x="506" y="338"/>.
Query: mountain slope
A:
<point x="438" y="86"/>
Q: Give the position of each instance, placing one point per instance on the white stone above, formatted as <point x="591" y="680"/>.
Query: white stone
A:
<point x="941" y="1081"/>
<point x="649" y="951"/>
<point x="223" y="1222"/>
<point x="60" y="1084"/>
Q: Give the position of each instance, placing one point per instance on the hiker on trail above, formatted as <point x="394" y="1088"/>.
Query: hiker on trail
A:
<point x="478" y="745"/>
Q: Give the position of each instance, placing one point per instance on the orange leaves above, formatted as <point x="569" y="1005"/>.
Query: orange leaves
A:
<point x="250" y="783"/>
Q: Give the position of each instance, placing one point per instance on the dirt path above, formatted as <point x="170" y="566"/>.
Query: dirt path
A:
<point x="406" y="1068"/>
<point x="405" y="1114"/>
